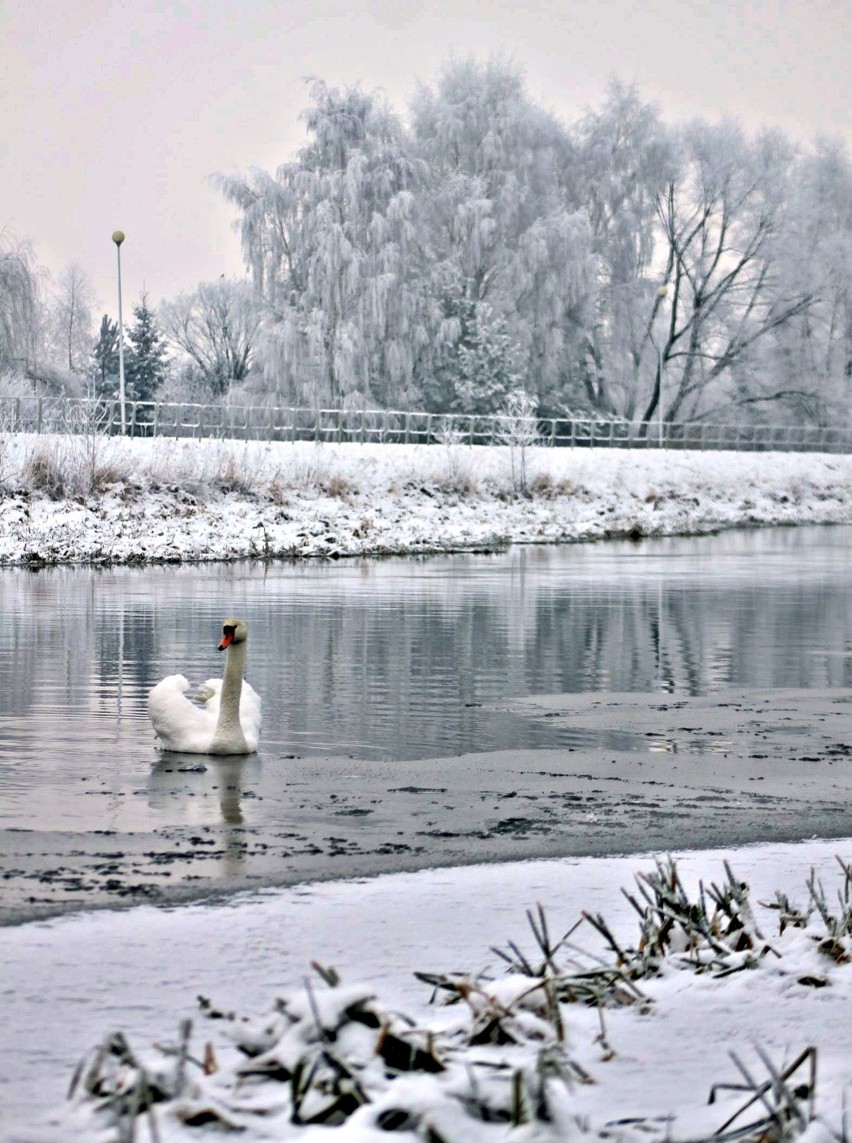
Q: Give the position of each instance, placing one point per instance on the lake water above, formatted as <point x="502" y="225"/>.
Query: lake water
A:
<point x="398" y="658"/>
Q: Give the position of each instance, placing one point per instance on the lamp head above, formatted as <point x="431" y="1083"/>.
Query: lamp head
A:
<point x="118" y="237"/>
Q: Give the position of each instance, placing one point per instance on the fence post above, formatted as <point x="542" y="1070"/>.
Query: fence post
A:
<point x="40" y="414"/>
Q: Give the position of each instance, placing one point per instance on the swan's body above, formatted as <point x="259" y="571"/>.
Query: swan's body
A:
<point x="222" y="717"/>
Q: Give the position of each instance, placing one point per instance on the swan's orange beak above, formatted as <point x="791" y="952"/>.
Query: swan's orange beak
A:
<point x="227" y="640"/>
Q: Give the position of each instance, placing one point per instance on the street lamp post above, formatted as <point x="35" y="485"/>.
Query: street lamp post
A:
<point x="662" y="294"/>
<point x="118" y="238"/>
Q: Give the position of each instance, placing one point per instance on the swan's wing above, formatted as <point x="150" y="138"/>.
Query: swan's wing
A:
<point x="204" y="692"/>
<point x="180" y="724"/>
<point x="250" y="715"/>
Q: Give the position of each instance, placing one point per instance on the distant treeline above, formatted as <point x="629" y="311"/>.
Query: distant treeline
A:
<point x="616" y="266"/>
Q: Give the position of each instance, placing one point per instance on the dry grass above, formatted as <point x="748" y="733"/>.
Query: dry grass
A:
<point x="459" y="481"/>
<point x="337" y="485"/>
<point x="231" y="476"/>
<point x="73" y="467"/>
<point x="43" y="472"/>
<point x="547" y="487"/>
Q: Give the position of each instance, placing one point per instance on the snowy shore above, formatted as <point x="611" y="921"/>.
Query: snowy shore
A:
<point x="70" y="981"/>
<point x="84" y="499"/>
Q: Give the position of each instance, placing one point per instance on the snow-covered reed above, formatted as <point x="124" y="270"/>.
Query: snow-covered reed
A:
<point x="520" y="1043"/>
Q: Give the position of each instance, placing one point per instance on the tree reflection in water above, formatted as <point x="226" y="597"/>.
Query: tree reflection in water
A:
<point x="395" y="658"/>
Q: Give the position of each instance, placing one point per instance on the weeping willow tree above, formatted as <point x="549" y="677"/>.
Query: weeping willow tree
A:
<point x="509" y="252"/>
<point x="807" y="365"/>
<point x="20" y="306"/>
<point x="332" y="242"/>
<point x="624" y="158"/>
<point x="400" y="266"/>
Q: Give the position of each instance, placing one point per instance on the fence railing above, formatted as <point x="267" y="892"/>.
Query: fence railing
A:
<point x="389" y="426"/>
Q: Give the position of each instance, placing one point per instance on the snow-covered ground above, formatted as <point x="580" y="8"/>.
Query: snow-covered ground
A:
<point x="92" y="499"/>
<point x="69" y="981"/>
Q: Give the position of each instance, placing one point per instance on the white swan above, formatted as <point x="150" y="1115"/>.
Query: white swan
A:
<point x="222" y="717"/>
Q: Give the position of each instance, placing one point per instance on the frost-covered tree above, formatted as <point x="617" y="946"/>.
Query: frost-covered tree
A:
<point x="720" y="222"/>
<point x="624" y="157"/>
<point x="214" y="328"/>
<point x="808" y="365"/>
<point x="146" y="362"/>
<point x="517" y="429"/>
<point x="500" y="232"/>
<point x="71" y="318"/>
<point x="486" y="247"/>
<point x="332" y="240"/>
<point x="553" y="276"/>
<point x="21" y="319"/>
<point x="488" y="363"/>
<point x="105" y="358"/>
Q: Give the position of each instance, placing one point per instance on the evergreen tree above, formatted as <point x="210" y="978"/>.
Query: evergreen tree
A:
<point x="105" y="359"/>
<point x="487" y="362"/>
<point x="145" y="362"/>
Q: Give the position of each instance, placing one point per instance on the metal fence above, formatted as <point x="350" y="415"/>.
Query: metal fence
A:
<point x="389" y="426"/>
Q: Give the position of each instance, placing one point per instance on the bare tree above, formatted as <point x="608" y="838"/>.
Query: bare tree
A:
<point x="720" y="223"/>
<point x="216" y="328"/>
<point x="517" y="429"/>
<point x="73" y="302"/>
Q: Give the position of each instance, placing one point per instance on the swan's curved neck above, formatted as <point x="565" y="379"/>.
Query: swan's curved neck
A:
<point x="229" y="733"/>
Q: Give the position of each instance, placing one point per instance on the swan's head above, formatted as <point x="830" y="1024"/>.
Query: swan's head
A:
<point x="233" y="631"/>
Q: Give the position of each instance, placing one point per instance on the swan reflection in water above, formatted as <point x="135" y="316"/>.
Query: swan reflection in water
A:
<point x="182" y="790"/>
<point x="220" y="720"/>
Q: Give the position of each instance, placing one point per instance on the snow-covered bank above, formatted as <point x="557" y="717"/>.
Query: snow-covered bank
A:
<point x="92" y="499"/>
<point x="68" y="982"/>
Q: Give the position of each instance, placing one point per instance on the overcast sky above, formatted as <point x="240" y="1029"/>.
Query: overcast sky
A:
<point x="114" y="113"/>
